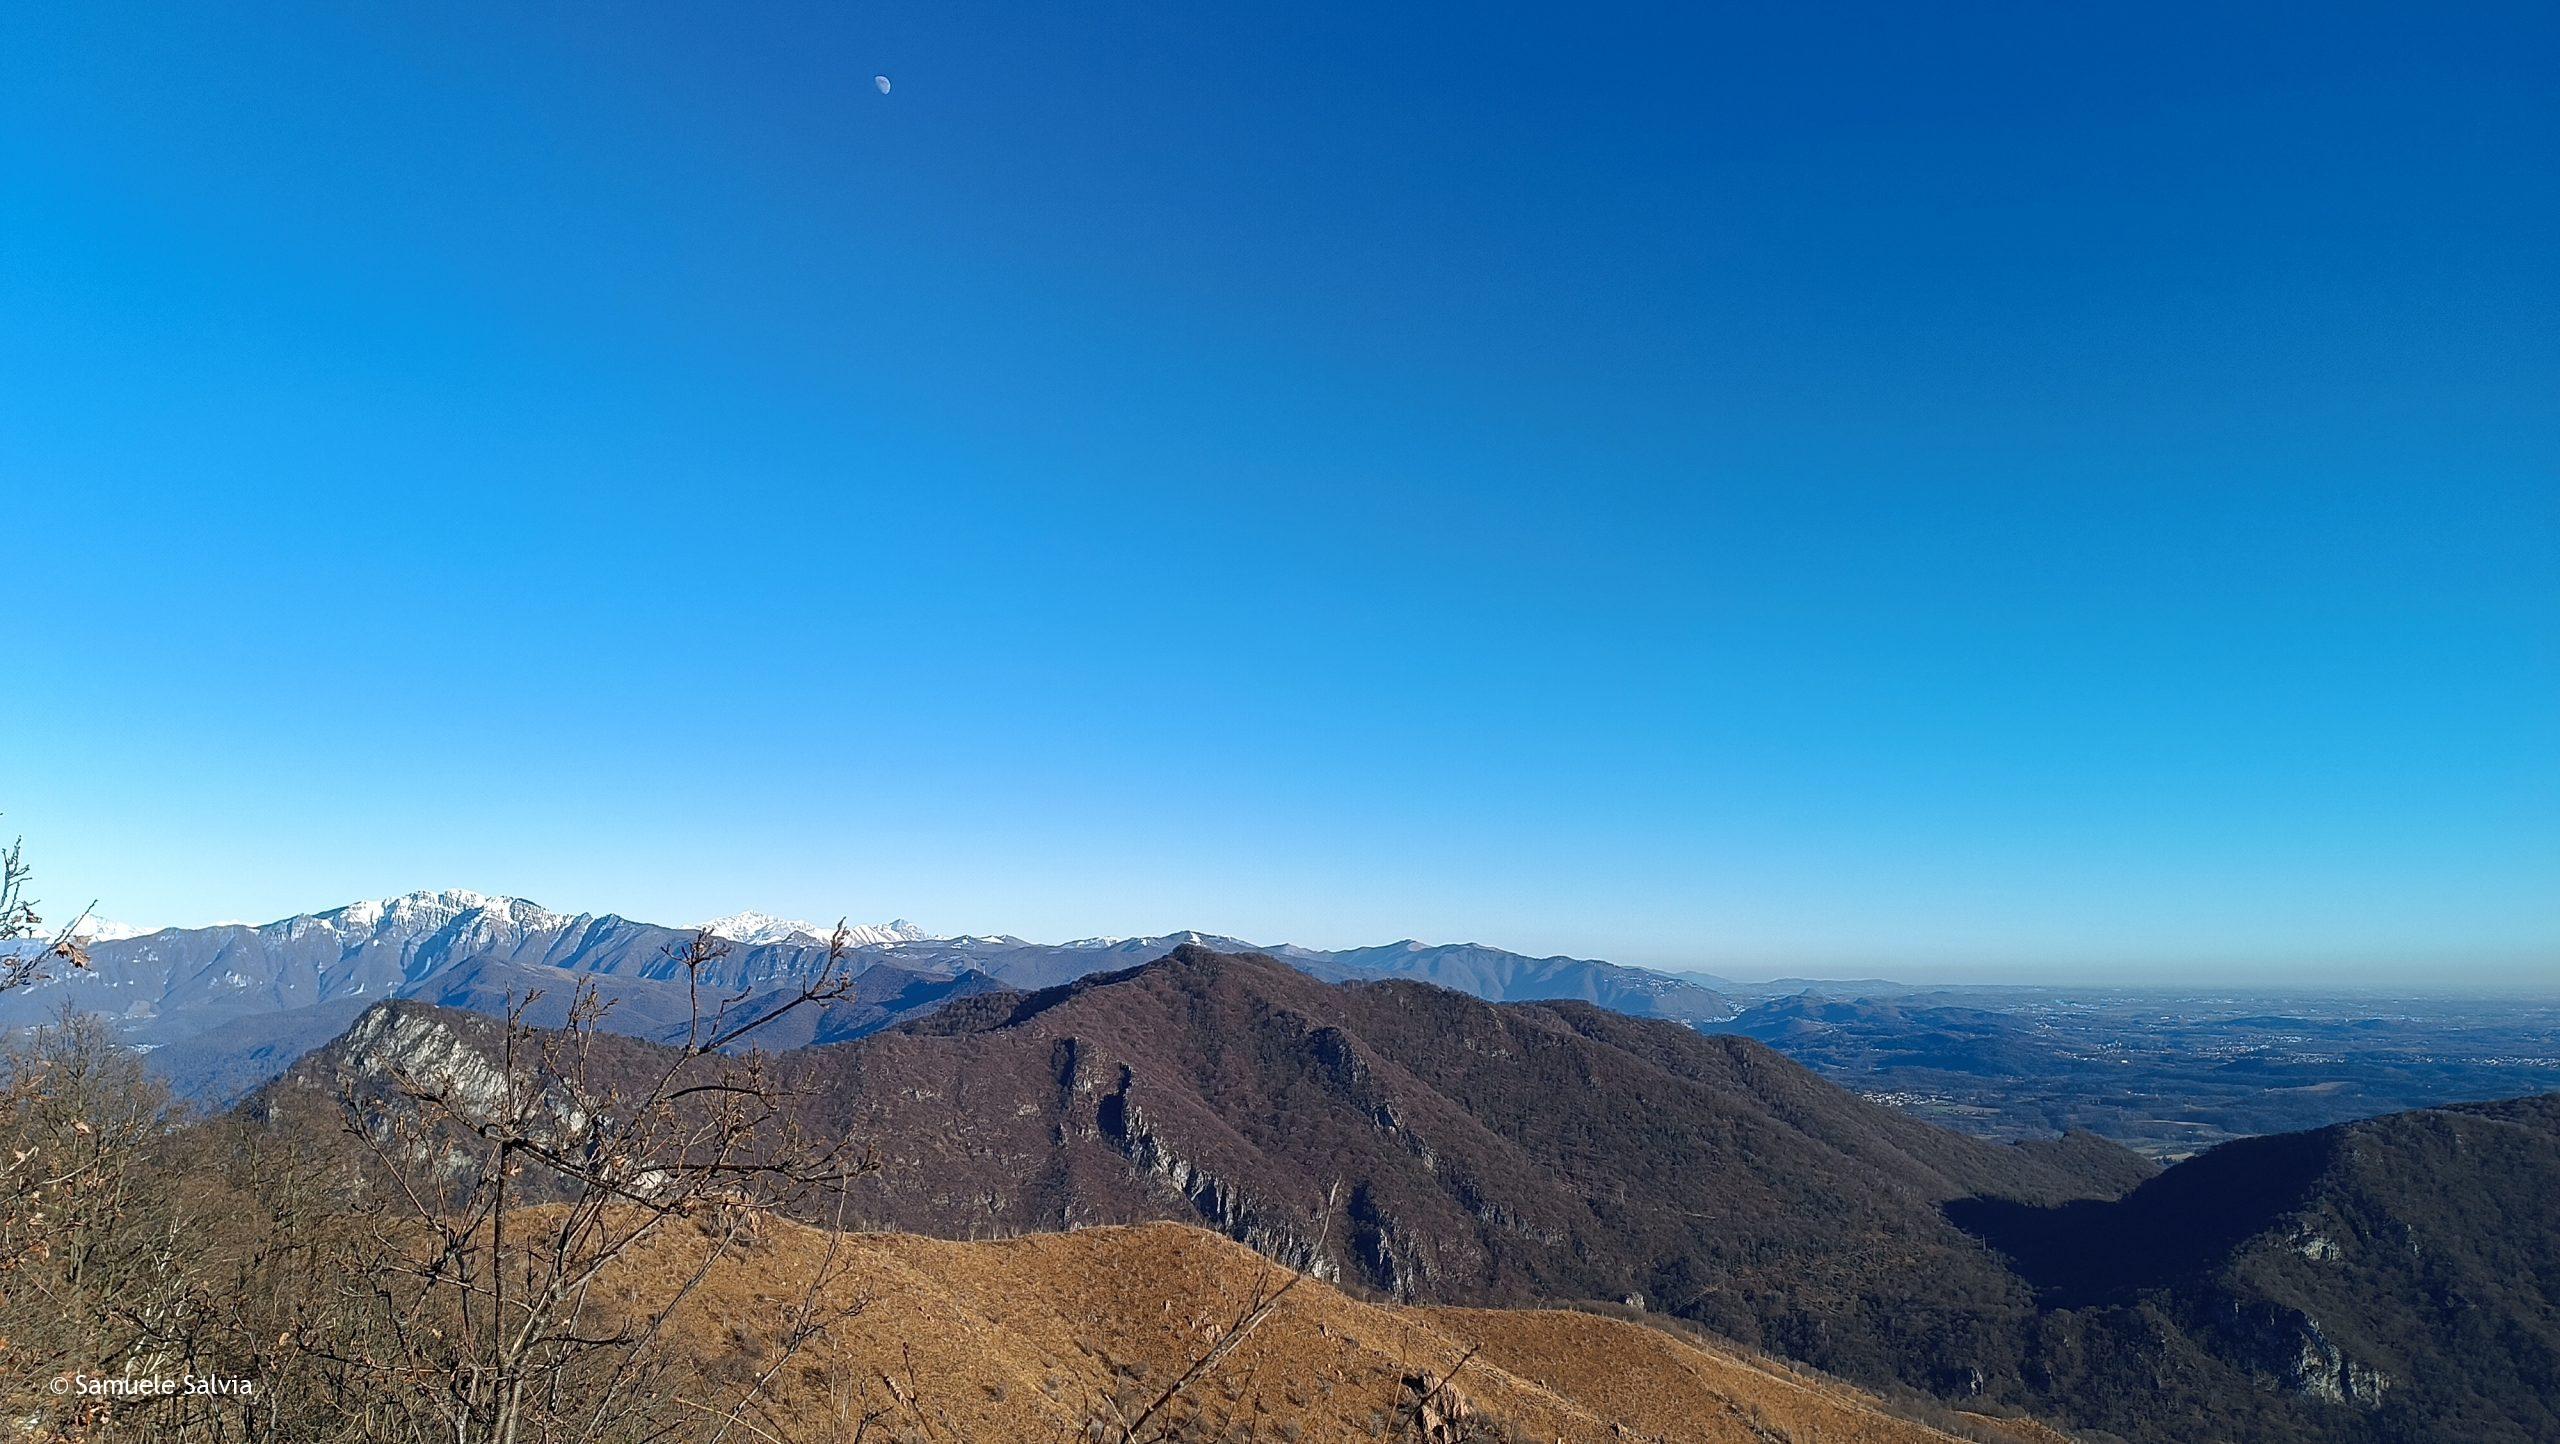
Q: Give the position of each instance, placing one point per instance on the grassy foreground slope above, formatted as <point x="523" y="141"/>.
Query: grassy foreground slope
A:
<point x="1032" y="1339"/>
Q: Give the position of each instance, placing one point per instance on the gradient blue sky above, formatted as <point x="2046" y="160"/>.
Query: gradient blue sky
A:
<point x="1975" y="491"/>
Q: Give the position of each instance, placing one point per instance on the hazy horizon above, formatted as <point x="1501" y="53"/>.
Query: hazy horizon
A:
<point x="2024" y="495"/>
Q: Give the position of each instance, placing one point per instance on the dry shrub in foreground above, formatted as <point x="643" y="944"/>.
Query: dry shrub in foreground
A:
<point x="462" y="1315"/>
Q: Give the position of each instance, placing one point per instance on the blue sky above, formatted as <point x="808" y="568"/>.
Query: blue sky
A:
<point x="1984" y="492"/>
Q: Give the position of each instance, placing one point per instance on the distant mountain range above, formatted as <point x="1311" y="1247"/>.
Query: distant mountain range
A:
<point x="219" y="1009"/>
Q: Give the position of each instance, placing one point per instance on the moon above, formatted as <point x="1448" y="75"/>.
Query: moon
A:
<point x="883" y="82"/>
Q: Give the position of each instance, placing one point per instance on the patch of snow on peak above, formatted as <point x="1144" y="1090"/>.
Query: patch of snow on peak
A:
<point x="755" y="929"/>
<point x="752" y="928"/>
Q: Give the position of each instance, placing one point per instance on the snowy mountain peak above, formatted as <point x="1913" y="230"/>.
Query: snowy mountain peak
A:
<point x="417" y="914"/>
<point x="755" y="929"/>
<point x="86" y="931"/>
<point x="103" y="930"/>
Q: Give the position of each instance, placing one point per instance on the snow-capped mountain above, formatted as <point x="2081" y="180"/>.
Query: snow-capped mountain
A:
<point x="273" y="989"/>
<point x="86" y="930"/>
<point x="365" y="948"/>
<point x="755" y="928"/>
<point x="417" y="915"/>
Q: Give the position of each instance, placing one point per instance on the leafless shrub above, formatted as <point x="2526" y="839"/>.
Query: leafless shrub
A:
<point x="26" y="949"/>
<point x="474" y="1308"/>
<point x="96" y="1251"/>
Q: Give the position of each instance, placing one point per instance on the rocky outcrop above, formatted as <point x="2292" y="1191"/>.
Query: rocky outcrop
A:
<point x="2286" y="1348"/>
<point x="1218" y="1202"/>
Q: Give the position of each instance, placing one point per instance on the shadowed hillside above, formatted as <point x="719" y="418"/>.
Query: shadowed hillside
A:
<point x="2393" y="1279"/>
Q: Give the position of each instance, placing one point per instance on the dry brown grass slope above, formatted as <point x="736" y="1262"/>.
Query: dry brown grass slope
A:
<point x="1024" y="1340"/>
<point x="1677" y="1386"/>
